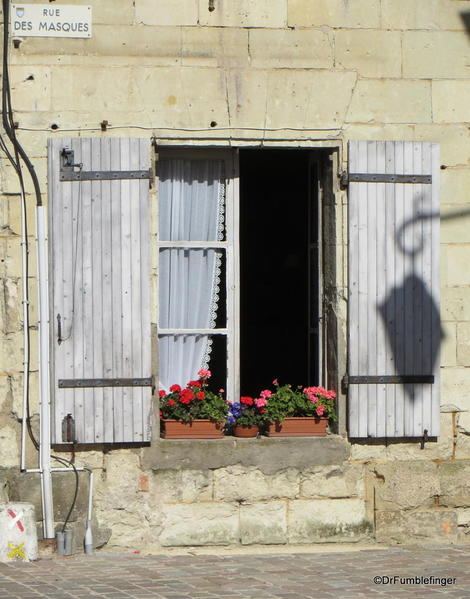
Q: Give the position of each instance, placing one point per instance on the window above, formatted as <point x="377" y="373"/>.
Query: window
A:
<point x="240" y="276"/>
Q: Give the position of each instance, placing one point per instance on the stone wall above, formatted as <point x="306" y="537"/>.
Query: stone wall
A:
<point x="297" y="73"/>
<point x="264" y="491"/>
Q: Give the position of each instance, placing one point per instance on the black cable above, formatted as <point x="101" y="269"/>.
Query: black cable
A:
<point x="8" y="123"/>
<point x="7" y="112"/>
<point x="69" y="463"/>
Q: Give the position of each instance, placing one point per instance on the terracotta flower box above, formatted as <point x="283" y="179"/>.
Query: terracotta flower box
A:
<point x="246" y="431"/>
<point x="299" y="427"/>
<point x="197" y="429"/>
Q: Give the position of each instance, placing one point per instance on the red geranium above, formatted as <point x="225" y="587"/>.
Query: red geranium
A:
<point x="175" y="388"/>
<point x="248" y="401"/>
<point x="201" y="395"/>
<point x="186" y="396"/>
<point x="161" y="393"/>
<point x="171" y="402"/>
<point x="194" y="384"/>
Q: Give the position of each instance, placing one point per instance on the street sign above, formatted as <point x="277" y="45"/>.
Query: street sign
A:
<point x="46" y="20"/>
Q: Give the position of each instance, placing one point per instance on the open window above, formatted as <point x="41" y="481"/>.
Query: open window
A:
<point x="241" y="268"/>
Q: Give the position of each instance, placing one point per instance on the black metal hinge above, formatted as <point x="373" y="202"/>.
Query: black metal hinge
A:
<point x="347" y="178"/>
<point x="388" y="379"/>
<point x="80" y="383"/>
<point x="68" y="172"/>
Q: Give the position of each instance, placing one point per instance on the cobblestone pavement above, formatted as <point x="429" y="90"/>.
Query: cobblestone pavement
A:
<point x="241" y="576"/>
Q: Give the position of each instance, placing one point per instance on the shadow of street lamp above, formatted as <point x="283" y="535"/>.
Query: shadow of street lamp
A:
<point x="465" y="16"/>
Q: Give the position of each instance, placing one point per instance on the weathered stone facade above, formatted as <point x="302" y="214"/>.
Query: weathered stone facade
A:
<point x="302" y="74"/>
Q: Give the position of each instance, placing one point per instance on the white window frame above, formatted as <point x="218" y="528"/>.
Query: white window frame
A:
<point x="231" y="247"/>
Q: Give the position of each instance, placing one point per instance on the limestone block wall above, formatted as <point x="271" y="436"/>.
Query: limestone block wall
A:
<point x="236" y="492"/>
<point x="242" y="72"/>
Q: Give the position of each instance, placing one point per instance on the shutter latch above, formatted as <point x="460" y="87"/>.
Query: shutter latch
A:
<point x="424" y="438"/>
<point x="68" y="429"/>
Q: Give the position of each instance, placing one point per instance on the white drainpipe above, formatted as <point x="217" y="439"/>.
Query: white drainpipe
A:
<point x="44" y="383"/>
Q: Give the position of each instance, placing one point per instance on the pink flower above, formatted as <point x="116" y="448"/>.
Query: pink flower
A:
<point x="260" y="402"/>
<point x="275" y="382"/>
<point x="311" y="393"/>
<point x="320" y="410"/>
<point x="204" y="374"/>
<point x="266" y="394"/>
<point x="221" y="390"/>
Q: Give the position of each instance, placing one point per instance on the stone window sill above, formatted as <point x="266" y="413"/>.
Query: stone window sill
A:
<point x="267" y="454"/>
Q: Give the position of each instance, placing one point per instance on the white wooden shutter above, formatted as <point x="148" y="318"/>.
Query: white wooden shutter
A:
<point x="393" y="312"/>
<point x="99" y="290"/>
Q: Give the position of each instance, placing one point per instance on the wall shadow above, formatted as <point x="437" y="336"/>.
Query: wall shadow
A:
<point x="412" y="322"/>
<point x="465" y="16"/>
<point x="410" y="314"/>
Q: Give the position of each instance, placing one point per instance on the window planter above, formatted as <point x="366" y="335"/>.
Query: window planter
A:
<point x="299" y="427"/>
<point x="246" y="431"/>
<point x="197" y="429"/>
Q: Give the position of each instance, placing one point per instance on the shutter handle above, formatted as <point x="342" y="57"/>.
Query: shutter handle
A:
<point x="59" y="329"/>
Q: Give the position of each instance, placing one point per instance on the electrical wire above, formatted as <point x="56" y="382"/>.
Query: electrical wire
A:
<point x="71" y="464"/>
<point x="8" y="123"/>
<point x="7" y="111"/>
<point x="156" y="128"/>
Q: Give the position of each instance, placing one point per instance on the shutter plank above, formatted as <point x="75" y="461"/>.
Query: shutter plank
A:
<point x="116" y="248"/>
<point x="145" y="283"/>
<point x="389" y="307"/>
<point x="65" y="353"/>
<point x="126" y="282"/>
<point x="398" y="356"/>
<point x="78" y="318"/>
<point x="136" y="288"/>
<point x="381" y="258"/>
<point x="390" y="273"/>
<point x="88" y="323"/>
<point x="370" y="291"/>
<point x="107" y="292"/>
<point x="363" y="291"/>
<point x="407" y="361"/>
<point x="353" y="308"/>
<point x="418" y="293"/>
<point x="96" y="433"/>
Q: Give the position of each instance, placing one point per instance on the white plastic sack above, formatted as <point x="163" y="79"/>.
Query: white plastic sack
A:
<point x="18" y="535"/>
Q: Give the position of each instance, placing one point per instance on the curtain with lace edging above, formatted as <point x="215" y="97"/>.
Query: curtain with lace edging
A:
<point x="191" y="208"/>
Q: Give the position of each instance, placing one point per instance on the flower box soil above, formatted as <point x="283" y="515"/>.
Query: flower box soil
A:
<point x="197" y="429"/>
<point x="298" y="427"/>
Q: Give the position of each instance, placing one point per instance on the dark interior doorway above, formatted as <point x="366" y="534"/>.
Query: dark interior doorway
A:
<point x="279" y="269"/>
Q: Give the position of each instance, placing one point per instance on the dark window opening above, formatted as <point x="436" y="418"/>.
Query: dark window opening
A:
<point x="279" y="269"/>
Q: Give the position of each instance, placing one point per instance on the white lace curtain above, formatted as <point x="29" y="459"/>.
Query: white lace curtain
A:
<point x="191" y="208"/>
